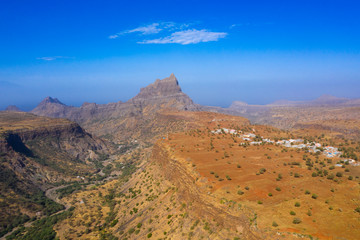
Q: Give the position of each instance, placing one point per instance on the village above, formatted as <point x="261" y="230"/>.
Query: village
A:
<point x="249" y="138"/>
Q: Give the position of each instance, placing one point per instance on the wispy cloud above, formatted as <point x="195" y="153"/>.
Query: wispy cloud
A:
<point x="52" y="58"/>
<point x="148" y="29"/>
<point x="188" y="37"/>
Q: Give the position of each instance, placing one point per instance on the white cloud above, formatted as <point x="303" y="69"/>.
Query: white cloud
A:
<point x="146" y="30"/>
<point x="46" y="58"/>
<point x="149" y="29"/>
<point x="113" y="36"/>
<point x="188" y="37"/>
<point x="153" y="28"/>
<point x="51" y="58"/>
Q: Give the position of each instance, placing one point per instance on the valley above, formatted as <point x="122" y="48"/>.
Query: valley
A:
<point x="162" y="167"/>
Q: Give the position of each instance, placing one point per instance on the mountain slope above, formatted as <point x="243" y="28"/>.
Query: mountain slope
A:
<point x="36" y="152"/>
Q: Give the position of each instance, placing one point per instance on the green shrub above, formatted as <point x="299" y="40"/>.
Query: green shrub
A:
<point x="274" y="224"/>
<point x="296" y="221"/>
<point x="314" y="196"/>
<point x="114" y="222"/>
<point x="331" y="176"/>
<point x="297" y="204"/>
<point x="292" y="213"/>
<point x="357" y="209"/>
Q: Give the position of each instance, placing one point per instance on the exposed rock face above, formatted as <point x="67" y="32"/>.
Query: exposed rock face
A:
<point x="36" y="152"/>
<point x="13" y="108"/>
<point x="51" y="135"/>
<point x="165" y="92"/>
<point x="168" y="87"/>
<point x="114" y="117"/>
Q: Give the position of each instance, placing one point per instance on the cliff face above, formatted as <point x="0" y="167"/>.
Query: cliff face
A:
<point x="19" y="130"/>
<point x="166" y="91"/>
<point x="36" y="152"/>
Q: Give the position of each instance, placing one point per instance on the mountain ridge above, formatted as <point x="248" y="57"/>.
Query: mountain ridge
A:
<point x="120" y="116"/>
<point x="166" y="94"/>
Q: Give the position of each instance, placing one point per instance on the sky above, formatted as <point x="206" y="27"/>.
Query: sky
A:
<point x="220" y="51"/>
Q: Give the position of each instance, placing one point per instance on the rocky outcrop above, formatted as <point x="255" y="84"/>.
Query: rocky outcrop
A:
<point x="35" y="136"/>
<point x="166" y="91"/>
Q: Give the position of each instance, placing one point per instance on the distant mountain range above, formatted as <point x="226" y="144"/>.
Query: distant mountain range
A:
<point x="324" y="100"/>
<point x="131" y="115"/>
<point x="166" y="94"/>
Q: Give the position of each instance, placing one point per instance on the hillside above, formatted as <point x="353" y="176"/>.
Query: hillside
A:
<point x="35" y="153"/>
<point x="267" y="180"/>
<point x="215" y="176"/>
<point x="206" y="181"/>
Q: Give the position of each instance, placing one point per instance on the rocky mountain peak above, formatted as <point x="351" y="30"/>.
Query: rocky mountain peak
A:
<point x="160" y="88"/>
<point x="13" y="108"/>
<point x="50" y="100"/>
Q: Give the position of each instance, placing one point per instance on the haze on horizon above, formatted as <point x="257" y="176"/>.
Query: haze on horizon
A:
<point x="105" y="51"/>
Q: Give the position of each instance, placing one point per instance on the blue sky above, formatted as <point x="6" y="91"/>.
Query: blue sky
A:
<point x="220" y="51"/>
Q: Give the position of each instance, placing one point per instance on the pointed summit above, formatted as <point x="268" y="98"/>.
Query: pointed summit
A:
<point x="50" y="100"/>
<point x="50" y="107"/>
<point x="172" y="78"/>
<point x="13" y="108"/>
